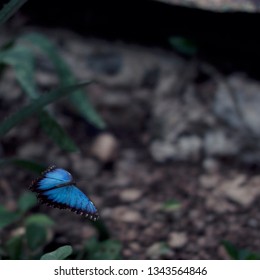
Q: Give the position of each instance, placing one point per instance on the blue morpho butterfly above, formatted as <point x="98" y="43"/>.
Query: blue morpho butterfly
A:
<point x="56" y="188"/>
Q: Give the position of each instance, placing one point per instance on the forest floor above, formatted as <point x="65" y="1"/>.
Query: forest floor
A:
<point x="177" y="170"/>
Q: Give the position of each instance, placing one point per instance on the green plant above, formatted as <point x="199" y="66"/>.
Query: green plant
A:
<point x="183" y="45"/>
<point x="28" y="235"/>
<point x="20" y="54"/>
<point x="9" y="9"/>
<point x="238" y="253"/>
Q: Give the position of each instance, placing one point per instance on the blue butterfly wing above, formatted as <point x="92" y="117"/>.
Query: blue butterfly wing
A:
<point x="50" y="178"/>
<point x="72" y="198"/>
<point x="56" y="189"/>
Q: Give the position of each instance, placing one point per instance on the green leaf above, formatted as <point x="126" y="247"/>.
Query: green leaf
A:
<point x="26" y="202"/>
<point x="183" y="45"/>
<point x="59" y="254"/>
<point x="9" y="9"/>
<point x="2" y="253"/>
<point x="7" y="217"/>
<point x="35" y="106"/>
<point x="106" y="250"/>
<point x="171" y="205"/>
<point x="57" y="133"/>
<point x="22" y="60"/>
<point x="239" y="254"/>
<point x="14" y="247"/>
<point x="30" y="165"/>
<point x="78" y="98"/>
<point x="39" y="219"/>
<point x="102" y="229"/>
<point x="36" y="236"/>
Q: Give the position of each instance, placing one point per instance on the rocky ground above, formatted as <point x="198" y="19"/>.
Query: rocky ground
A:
<point x="219" y="5"/>
<point x="175" y="173"/>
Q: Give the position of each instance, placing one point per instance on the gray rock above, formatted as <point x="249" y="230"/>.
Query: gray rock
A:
<point x="105" y="62"/>
<point x="162" y="151"/>
<point x="210" y="165"/>
<point x="217" y="143"/>
<point x="185" y="148"/>
<point x="189" y="147"/>
<point x="245" y="92"/>
<point x="209" y="181"/>
<point x="218" y="5"/>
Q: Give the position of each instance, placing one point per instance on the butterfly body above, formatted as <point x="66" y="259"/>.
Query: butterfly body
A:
<point x="56" y="188"/>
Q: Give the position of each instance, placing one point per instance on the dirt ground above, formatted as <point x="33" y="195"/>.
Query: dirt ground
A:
<point x="178" y="130"/>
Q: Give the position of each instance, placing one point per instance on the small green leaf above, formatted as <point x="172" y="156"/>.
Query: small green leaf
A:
<point x="22" y="60"/>
<point x="26" y="202"/>
<point x="35" y="106"/>
<point x="78" y="98"/>
<point x="239" y="254"/>
<point x="171" y="205"/>
<point x="39" y="219"/>
<point x="102" y="229"/>
<point x="231" y="250"/>
<point x="2" y="253"/>
<point x="7" y="217"/>
<point x="183" y="45"/>
<point x="30" y="165"/>
<point x="91" y="245"/>
<point x="57" y="133"/>
<point x="36" y="236"/>
<point x="9" y="9"/>
<point x="105" y="250"/>
<point x="14" y="247"/>
<point x="59" y="254"/>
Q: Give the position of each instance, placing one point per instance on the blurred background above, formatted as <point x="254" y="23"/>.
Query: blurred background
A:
<point x="165" y="141"/>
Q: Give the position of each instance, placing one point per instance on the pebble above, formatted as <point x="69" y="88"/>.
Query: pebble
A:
<point x="131" y="235"/>
<point x="209" y="181"/>
<point x="177" y="239"/>
<point x="125" y="214"/>
<point x="240" y="190"/>
<point x="219" y="205"/>
<point x="105" y="147"/>
<point x="162" y="151"/>
<point x="211" y="165"/>
<point x="45" y="79"/>
<point x="154" y="251"/>
<point x="121" y="181"/>
<point x="189" y="148"/>
<point x="253" y="223"/>
<point x="127" y="253"/>
<point x="130" y="195"/>
<point x="135" y="246"/>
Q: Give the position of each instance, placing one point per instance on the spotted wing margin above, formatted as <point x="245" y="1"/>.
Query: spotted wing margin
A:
<point x="81" y="206"/>
<point x="35" y="183"/>
<point x="52" y="177"/>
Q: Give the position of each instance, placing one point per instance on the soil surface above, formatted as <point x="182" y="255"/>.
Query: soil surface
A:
<point x="177" y="170"/>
